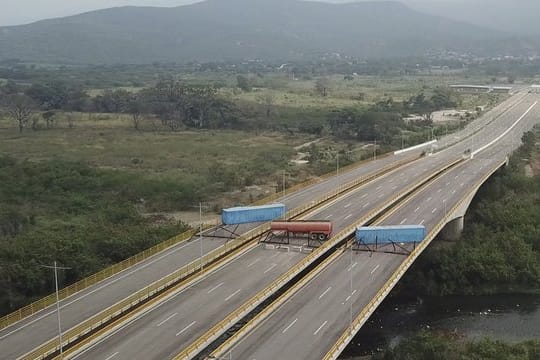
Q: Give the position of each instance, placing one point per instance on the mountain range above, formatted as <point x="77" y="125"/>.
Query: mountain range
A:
<point x="221" y="30"/>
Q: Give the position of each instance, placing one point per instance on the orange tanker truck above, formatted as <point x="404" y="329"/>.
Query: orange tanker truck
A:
<point x="315" y="230"/>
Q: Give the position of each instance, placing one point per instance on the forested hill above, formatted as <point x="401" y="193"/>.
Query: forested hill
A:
<point x="217" y="30"/>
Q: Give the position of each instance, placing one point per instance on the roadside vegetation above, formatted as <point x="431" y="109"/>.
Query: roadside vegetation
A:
<point x="95" y="166"/>
<point x="428" y="345"/>
<point x="84" y="218"/>
<point x="499" y="251"/>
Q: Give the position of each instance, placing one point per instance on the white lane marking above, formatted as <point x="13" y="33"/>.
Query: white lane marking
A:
<point x="456" y="176"/>
<point x="329" y="216"/>
<point x="187" y="327"/>
<point x="380" y="196"/>
<point x="288" y="327"/>
<point x="349" y="204"/>
<point x="348" y="297"/>
<point x="113" y="355"/>
<point x="422" y="222"/>
<point x="429" y="198"/>
<point x="507" y="130"/>
<point x="363" y="196"/>
<point x="348" y="216"/>
<point x="403" y="222"/>
<point x="391" y="181"/>
<point x="99" y="288"/>
<point x="233" y="294"/>
<point x="324" y="293"/>
<point x="167" y="319"/>
<point x="448" y="183"/>
<point x="379" y="188"/>
<point x="253" y="262"/>
<point x="270" y="268"/>
<point x="352" y="266"/>
<point x="439" y="190"/>
<point x="394" y="187"/>
<point x="461" y="184"/>
<point x="215" y="288"/>
<point x="453" y="192"/>
<point x="375" y="269"/>
<point x="365" y="205"/>
<point x="417" y="209"/>
<point x="320" y="327"/>
<point x="433" y="212"/>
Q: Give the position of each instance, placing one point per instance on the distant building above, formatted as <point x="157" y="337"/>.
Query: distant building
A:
<point x="473" y="89"/>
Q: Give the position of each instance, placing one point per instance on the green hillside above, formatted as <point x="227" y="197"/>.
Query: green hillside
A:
<point x="220" y="30"/>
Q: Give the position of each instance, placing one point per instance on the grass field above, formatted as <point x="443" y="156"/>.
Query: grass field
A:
<point x="346" y="93"/>
<point x="231" y="159"/>
<point x="236" y="158"/>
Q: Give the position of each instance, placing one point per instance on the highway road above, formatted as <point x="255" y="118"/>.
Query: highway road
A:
<point x="132" y="339"/>
<point x="309" y="323"/>
<point x="25" y="335"/>
<point x="343" y="212"/>
<point x="35" y="330"/>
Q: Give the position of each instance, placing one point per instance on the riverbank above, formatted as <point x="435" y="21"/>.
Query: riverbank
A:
<point x="447" y="304"/>
<point x="507" y="318"/>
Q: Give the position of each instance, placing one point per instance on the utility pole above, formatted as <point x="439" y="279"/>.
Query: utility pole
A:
<point x="200" y="234"/>
<point x="351" y="290"/>
<point x="337" y="171"/>
<point x="200" y="206"/>
<point x="283" y="182"/>
<point x="55" y="267"/>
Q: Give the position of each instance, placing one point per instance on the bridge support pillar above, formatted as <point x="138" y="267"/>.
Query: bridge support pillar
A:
<point x="452" y="231"/>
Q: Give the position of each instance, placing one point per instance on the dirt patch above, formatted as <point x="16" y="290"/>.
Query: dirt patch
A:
<point x="535" y="165"/>
<point x="190" y="218"/>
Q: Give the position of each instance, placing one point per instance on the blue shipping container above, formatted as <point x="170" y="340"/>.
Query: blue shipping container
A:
<point x="389" y="234"/>
<point x="251" y="214"/>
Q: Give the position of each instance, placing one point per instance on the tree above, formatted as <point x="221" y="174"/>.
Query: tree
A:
<point x="20" y="108"/>
<point x="421" y="105"/>
<point x="48" y="116"/>
<point x="321" y="86"/>
<point x="135" y="106"/>
<point x="267" y="100"/>
<point x="243" y="83"/>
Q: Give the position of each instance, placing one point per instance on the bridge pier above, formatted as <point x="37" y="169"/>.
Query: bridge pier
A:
<point x="452" y="231"/>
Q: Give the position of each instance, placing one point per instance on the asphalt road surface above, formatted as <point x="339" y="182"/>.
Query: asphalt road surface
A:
<point x="343" y="212"/>
<point x="309" y="324"/>
<point x="35" y="330"/>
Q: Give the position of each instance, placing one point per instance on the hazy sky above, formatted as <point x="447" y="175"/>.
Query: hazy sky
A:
<point x="14" y="12"/>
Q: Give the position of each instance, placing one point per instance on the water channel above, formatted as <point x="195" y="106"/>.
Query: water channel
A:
<point x="511" y="318"/>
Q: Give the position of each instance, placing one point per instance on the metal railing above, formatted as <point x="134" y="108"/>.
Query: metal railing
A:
<point x="317" y="180"/>
<point x="218" y="329"/>
<point x="364" y="315"/>
<point x="124" y="305"/>
<point x="112" y="270"/>
<point x="93" y="279"/>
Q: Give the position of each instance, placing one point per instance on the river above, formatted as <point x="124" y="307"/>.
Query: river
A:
<point x="504" y="317"/>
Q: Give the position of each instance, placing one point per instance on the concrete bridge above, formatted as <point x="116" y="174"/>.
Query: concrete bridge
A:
<point x="324" y="310"/>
